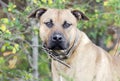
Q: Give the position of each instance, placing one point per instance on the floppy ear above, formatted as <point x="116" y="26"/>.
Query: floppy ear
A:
<point x="37" y="13"/>
<point x="79" y="15"/>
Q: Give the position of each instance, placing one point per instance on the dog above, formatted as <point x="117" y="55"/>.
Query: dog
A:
<point x="75" y="57"/>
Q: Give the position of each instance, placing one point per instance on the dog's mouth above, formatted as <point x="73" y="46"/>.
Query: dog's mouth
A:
<point x="56" y="46"/>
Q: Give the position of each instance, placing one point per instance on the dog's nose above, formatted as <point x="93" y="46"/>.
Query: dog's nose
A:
<point x="57" y="37"/>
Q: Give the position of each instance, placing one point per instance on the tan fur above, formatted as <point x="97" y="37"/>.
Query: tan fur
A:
<point x="88" y="62"/>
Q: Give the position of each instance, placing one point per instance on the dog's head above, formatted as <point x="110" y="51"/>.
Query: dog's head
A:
<point x="58" y="27"/>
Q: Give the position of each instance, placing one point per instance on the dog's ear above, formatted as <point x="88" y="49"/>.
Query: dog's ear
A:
<point x="37" y="13"/>
<point x="79" y="15"/>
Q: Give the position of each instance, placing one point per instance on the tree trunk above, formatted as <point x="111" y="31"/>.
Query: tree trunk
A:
<point x="35" y="50"/>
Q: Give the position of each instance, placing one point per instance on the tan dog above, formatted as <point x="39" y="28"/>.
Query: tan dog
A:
<point x="88" y="62"/>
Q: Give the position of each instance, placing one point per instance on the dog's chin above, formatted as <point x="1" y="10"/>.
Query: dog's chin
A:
<point x="57" y="48"/>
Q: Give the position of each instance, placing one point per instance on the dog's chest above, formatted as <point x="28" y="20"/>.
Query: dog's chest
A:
<point x="79" y="70"/>
<point x="64" y="73"/>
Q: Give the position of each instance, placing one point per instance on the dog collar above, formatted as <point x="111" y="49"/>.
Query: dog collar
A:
<point x="54" y="57"/>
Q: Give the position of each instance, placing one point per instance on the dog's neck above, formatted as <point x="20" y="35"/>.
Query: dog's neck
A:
<point x="82" y="40"/>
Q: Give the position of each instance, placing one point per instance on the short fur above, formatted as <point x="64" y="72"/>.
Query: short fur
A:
<point x="88" y="62"/>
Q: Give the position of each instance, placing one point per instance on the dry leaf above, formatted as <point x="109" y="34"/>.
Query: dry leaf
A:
<point x="7" y="53"/>
<point x="12" y="62"/>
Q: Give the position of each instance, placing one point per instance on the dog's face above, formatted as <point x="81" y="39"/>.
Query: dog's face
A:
<point x="58" y="27"/>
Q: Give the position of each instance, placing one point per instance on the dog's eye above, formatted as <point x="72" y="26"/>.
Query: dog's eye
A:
<point x="66" y="24"/>
<point x="49" y="24"/>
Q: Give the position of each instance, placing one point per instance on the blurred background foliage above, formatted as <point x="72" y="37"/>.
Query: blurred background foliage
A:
<point x="16" y="34"/>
